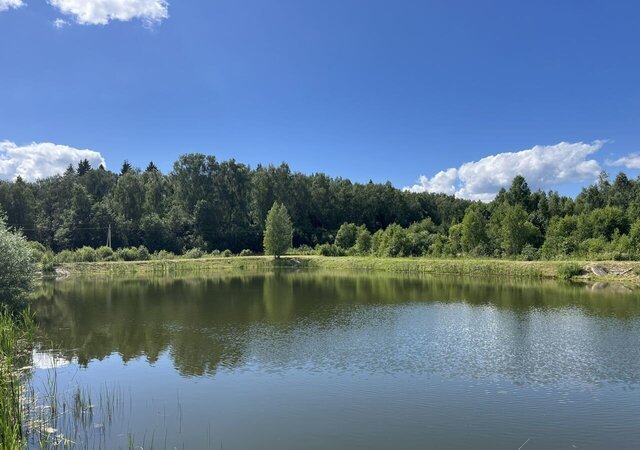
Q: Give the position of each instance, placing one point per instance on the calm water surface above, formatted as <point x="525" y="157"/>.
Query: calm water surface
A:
<point x="314" y="360"/>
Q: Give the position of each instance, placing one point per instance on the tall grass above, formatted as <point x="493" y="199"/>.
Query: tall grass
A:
<point x="16" y="331"/>
<point x="461" y="266"/>
<point x="567" y="271"/>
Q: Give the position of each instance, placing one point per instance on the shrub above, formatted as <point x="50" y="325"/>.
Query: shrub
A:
<point x="395" y="241"/>
<point x="143" y="253"/>
<point x="16" y="266"/>
<point x="246" y="252"/>
<point x="363" y="241"/>
<point x="86" y="254"/>
<point x="38" y="249"/>
<point x="48" y="262"/>
<point x="227" y="253"/>
<point x="567" y="271"/>
<point x="127" y="254"/>
<point x="163" y="255"/>
<point x="105" y="253"/>
<point x="65" y="256"/>
<point x="215" y="253"/>
<point x="329" y="250"/>
<point x="530" y="253"/>
<point x="346" y="235"/>
<point x="302" y="250"/>
<point x="594" y="247"/>
<point x="376" y="242"/>
<point x="619" y="256"/>
<point x="194" y="253"/>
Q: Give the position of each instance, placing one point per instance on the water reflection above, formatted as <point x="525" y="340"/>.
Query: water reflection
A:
<point x="527" y="332"/>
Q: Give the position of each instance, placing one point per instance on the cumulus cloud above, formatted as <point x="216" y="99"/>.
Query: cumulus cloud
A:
<point x="40" y="160"/>
<point x="631" y="161"/>
<point x="543" y="166"/>
<point x="101" y="12"/>
<point x="9" y="4"/>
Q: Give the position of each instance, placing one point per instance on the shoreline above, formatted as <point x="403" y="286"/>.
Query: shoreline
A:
<point x="608" y="271"/>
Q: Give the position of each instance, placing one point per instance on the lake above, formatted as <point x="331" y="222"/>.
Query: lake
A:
<point x="291" y="360"/>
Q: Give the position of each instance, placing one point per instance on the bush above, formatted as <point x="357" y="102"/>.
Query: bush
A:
<point x="227" y="253"/>
<point x="329" y="250"/>
<point x="194" y="253"/>
<point x="105" y="253"/>
<point x="363" y="241"/>
<point x="302" y="250"/>
<point x="16" y="267"/>
<point x="395" y="242"/>
<point x="38" y="250"/>
<point x="215" y="253"/>
<point x="594" y="247"/>
<point x="86" y="254"/>
<point x="143" y="253"/>
<point x="48" y="262"/>
<point x="246" y="252"/>
<point x="346" y="235"/>
<point x="127" y="254"/>
<point x="619" y="256"/>
<point x="530" y="253"/>
<point x="163" y="255"/>
<point x="569" y="270"/>
<point x="65" y="256"/>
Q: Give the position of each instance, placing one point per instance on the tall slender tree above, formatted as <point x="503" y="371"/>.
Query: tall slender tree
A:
<point x="278" y="232"/>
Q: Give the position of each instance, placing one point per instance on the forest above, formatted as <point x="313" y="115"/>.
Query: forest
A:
<point x="207" y="205"/>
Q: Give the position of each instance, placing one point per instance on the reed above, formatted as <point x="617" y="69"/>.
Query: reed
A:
<point x="16" y="330"/>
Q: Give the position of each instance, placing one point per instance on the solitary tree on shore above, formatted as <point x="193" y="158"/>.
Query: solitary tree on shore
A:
<point x="278" y="232"/>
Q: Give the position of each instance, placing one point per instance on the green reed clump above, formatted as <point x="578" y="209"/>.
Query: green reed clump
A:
<point x="566" y="271"/>
<point x="15" y="335"/>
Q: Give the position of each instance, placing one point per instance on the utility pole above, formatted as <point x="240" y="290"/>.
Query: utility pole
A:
<point x="109" y="237"/>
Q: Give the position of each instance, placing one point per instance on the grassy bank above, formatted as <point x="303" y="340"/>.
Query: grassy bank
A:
<point x="171" y="266"/>
<point x="580" y="270"/>
<point x="15" y="336"/>
<point x="612" y="270"/>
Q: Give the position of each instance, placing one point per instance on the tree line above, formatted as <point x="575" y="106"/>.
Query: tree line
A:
<point x="208" y="205"/>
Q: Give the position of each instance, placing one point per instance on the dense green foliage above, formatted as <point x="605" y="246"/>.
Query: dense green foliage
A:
<point x="205" y="205"/>
<point x="17" y="263"/>
<point x="16" y="267"/>
<point x="603" y="222"/>
<point x="278" y="231"/>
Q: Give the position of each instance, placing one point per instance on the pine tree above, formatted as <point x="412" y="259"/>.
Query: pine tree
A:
<point x="126" y="167"/>
<point x="83" y="167"/>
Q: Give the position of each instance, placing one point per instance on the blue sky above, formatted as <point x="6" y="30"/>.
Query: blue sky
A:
<point x="361" y="89"/>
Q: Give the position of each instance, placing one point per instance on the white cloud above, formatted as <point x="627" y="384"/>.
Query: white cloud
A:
<point x="8" y="4"/>
<point x="543" y="166"/>
<point x="631" y="161"/>
<point x="444" y="181"/>
<point x="60" y="23"/>
<point x="101" y="12"/>
<point x="40" y="160"/>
